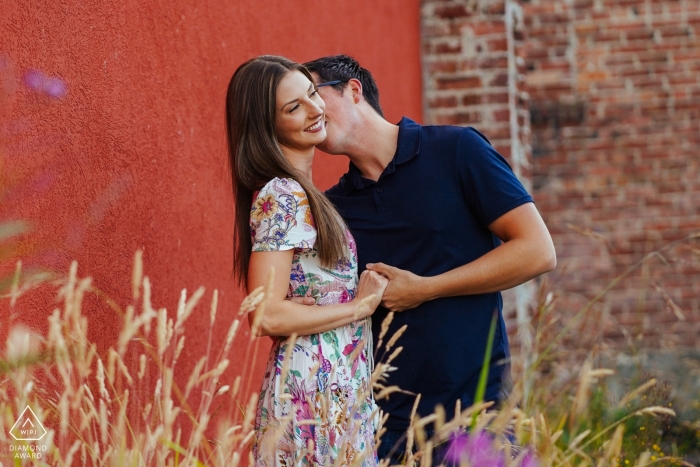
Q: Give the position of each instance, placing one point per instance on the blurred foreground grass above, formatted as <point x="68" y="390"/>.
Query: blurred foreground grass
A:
<point x="123" y="406"/>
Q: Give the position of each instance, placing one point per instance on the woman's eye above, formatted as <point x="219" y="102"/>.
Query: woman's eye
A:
<point x="294" y="108"/>
<point x="315" y="92"/>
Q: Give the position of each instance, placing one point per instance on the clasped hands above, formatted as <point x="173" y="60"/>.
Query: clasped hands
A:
<point x="404" y="291"/>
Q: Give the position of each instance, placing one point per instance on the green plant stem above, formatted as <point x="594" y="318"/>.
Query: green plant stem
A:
<point x="483" y="377"/>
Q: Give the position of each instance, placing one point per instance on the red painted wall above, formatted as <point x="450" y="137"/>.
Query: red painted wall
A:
<point x="134" y="155"/>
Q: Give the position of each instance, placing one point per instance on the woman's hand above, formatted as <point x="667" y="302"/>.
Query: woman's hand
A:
<point x="405" y="291"/>
<point x="370" y="284"/>
<point x="371" y="288"/>
<point x="282" y="317"/>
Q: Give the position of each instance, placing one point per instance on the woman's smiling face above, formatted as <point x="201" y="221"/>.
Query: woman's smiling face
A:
<point x="299" y="119"/>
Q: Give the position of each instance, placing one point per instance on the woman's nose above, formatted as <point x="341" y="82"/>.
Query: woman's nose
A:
<point x="316" y="110"/>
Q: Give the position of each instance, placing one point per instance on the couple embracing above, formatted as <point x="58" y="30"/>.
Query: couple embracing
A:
<point x="429" y="221"/>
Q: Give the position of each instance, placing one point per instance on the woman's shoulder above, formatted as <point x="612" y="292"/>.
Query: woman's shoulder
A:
<point x="283" y="186"/>
<point x="280" y="217"/>
<point x="283" y="197"/>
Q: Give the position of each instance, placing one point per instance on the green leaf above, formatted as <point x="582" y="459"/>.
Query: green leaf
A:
<point x="483" y="377"/>
<point x="12" y="229"/>
<point x="180" y="450"/>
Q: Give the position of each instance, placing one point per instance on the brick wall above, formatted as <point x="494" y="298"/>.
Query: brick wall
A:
<point x="473" y="74"/>
<point x="473" y="64"/>
<point x="615" y="115"/>
<point x="605" y="104"/>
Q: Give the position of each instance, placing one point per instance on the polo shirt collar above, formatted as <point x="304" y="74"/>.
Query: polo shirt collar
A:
<point x="407" y="148"/>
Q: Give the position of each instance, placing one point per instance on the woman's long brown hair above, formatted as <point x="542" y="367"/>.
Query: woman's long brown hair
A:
<point x="256" y="158"/>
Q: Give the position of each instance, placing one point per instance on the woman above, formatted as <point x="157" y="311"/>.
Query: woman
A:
<point x="317" y="407"/>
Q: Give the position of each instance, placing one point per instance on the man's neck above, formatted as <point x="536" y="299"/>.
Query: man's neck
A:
<point x="374" y="146"/>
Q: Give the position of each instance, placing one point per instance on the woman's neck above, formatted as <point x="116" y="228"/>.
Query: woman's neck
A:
<point x="301" y="159"/>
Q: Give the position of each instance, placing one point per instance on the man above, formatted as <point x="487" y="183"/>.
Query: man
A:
<point x="440" y="213"/>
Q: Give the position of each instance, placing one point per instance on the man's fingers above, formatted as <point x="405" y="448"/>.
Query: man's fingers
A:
<point x="303" y="300"/>
<point x="381" y="268"/>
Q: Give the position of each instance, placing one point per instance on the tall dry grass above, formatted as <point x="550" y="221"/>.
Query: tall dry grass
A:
<point x="93" y="406"/>
<point x="89" y="410"/>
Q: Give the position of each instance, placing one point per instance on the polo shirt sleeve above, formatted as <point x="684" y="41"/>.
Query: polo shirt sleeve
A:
<point x="490" y="187"/>
<point x="280" y="218"/>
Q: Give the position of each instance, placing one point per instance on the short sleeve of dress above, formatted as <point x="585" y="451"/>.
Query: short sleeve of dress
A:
<point x="280" y="217"/>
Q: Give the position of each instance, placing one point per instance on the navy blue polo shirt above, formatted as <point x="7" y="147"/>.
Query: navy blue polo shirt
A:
<point x="428" y="213"/>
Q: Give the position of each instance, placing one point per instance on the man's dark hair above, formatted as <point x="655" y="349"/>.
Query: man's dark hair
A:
<point x="344" y="68"/>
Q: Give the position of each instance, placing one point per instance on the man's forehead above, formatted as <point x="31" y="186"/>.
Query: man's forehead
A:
<point x="316" y="77"/>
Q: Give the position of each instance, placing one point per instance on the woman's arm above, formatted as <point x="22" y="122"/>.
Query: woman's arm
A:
<point x="283" y="317"/>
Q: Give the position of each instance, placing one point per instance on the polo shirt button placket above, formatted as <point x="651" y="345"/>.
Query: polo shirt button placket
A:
<point x="380" y="200"/>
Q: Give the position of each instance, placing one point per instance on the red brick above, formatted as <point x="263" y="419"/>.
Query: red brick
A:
<point x="502" y="115"/>
<point x="483" y="28"/>
<point x="642" y="34"/>
<point x="497" y="132"/>
<point x="441" y="102"/>
<point x="654" y="57"/>
<point x="500" y="79"/>
<point x="497" y="98"/>
<point x="497" y="45"/>
<point x="497" y="8"/>
<point x="503" y="150"/>
<point x="559" y="18"/>
<point x="583" y="4"/>
<point x="456" y="82"/>
<point x="446" y="48"/>
<point x="444" y="66"/>
<point x="607" y="36"/>
<point x="487" y="63"/>
<point x="452" y="11"/>
<point x="471" y="99"/>
<point x="459" y="118"/>
<point x="635" y="72"/>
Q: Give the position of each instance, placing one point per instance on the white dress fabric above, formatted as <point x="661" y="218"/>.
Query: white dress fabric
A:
<point x="325" y="401"/>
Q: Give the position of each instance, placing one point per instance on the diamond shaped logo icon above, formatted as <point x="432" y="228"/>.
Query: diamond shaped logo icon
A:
<point x="28" y="427"/>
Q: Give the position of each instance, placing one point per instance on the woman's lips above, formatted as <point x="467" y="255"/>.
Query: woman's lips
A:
<point x="318" y="126"/>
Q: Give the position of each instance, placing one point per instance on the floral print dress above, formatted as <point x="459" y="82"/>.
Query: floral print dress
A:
<point x="318" y="408"/>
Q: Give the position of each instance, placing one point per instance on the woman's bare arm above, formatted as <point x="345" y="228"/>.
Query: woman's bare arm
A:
<point x="283" y="317"/>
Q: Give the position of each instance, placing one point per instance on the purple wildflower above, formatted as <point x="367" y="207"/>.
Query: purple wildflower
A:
<point x="52" y="87"/>
<point x="34" y="79"/>
<point x="477" y="449"/>
<point x="530" y="461"/>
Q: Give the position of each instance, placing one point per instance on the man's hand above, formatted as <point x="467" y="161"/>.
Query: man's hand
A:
<point x="302" y="300"/>
<point x="405" y="290"/>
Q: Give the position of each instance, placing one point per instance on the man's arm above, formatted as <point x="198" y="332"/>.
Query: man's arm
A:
<point x="527" y="251"/>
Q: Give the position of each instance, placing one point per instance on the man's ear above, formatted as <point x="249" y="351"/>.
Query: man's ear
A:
<point x="355" y="88"/>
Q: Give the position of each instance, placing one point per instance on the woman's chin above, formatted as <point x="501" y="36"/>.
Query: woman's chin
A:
<point x="319" y="137"/>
